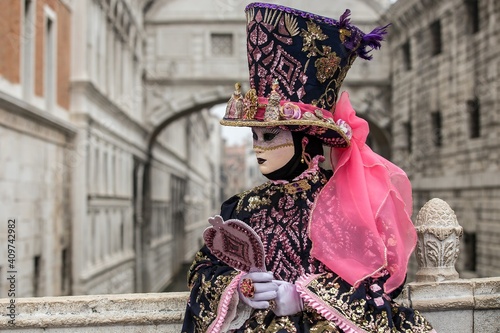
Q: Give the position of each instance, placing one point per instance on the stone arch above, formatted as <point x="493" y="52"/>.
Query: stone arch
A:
<point x="177" y="84"/>
<point x="372" y="103"/>
<point x="172" y="111"/>
<point x="178" y="107"/>
<point x="379" y="138"/>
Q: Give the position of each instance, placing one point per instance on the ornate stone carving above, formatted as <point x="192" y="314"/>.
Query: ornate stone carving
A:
<point x="438" y="242"/>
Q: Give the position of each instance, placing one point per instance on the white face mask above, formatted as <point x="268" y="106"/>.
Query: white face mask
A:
<point x="273" y="147"/>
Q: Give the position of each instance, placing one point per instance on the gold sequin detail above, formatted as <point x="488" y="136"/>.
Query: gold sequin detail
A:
<point x="256" y="202"/>
<point x="212" y="291"/>
<point x="274" y="147"/>
<point x="297" y="187"/>
<point x="355" y="310"/>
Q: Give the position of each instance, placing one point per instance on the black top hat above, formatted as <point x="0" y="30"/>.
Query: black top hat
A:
<point x="297" y="63"/>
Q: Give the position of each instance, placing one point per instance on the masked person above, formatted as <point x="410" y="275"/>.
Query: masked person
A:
<point x="329" y="249"/>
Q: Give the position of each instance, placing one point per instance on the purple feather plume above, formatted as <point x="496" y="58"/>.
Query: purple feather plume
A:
<point x="372" y="40"/>
<point x="344" y="19"/>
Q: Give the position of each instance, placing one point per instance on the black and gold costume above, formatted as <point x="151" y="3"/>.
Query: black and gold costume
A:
<point x="279" y="214"/>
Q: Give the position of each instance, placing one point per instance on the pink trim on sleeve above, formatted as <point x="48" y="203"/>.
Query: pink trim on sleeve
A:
<point x="323" y="308"/>
<point x="224" y="302"/>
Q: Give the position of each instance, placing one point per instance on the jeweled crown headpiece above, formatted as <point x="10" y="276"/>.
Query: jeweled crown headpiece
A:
<point x="297" y="62"/>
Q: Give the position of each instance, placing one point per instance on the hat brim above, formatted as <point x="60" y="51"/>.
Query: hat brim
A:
<point x="329" y="133"/>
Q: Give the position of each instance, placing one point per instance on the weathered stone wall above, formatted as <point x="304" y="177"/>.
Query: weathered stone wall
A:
<point x="445" y="157"/>
<point x="101" y="313"/>
<point x="34" y="151"/>
<point x="73" y="156"/>
<point x="459" y="306"/>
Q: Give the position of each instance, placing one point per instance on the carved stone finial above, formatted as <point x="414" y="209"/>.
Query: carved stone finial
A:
<point x="438" y="242"/>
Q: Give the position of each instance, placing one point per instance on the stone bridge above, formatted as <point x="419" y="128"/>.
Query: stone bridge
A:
<point x="196" y="52"/>
<point x="452" y="305"/>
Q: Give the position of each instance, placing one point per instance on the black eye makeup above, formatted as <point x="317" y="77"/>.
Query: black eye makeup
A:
<point x="266" y="135"/>
<point x="269" y="136"/>
<point x="254" y="135"/>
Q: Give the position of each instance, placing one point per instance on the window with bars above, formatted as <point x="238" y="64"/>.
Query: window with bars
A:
<point x="436" y="43"/>
<point x="36" y="276"/>
<point x="65" y="271"/>
<point x="474" y="116"/>
<point x="221" y="44"/>
<point x="470" y="251"/>
<point x="409" y="135"/>
<point x="437" y="132"/>
<point x="50" y="60"/>
<point x="406" y="48"/>
<point x="472" y="7"/>
<point x="29" y="26"/>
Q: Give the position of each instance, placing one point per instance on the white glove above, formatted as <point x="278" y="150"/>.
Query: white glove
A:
<point x="256" y="289"/>
<point x="288" y="300"/>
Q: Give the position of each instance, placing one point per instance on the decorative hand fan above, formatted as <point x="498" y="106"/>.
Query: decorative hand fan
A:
<point x="235" y="243"/>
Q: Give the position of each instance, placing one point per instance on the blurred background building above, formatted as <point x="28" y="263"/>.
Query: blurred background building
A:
<point x="446" y="115"/>
<point x="112" y="158"/>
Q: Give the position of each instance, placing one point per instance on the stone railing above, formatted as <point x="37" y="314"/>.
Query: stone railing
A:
<point x="451" y="304"/>
<point x="160" y="312"/>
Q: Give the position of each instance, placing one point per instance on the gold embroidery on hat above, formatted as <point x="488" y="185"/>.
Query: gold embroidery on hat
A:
<point x="328" y="65"/>
<point x="343" y="33"/>
<point x="271" y="16"/>
<point x="310" y="36"/>
<point x="250" y="103"/>
<point x="250" y="15"/>
<point x="327" y="100"/>
<point x="291" y="24"/>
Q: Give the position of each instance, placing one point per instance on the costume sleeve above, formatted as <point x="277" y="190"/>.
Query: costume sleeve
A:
<point x="213" y="295"/>
<point x="213" y="304"/>
<point x="366" y="308"/>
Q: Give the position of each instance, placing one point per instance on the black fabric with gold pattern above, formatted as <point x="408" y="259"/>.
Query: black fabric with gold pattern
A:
<point x="278" y="214"/>
<point x="367" y="306"/>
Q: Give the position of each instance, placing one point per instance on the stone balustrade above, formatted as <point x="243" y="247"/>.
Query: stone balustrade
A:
<point x="159" y="312"/>
<point x="452" y="305"/>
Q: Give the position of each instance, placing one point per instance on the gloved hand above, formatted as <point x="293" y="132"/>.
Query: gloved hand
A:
<point x="288" y="300"/>
<point x="256" y="289"/>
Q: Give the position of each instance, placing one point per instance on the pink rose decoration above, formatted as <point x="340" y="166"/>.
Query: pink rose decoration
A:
<point x="345" y="128"/>
<point x="290" y="111"/>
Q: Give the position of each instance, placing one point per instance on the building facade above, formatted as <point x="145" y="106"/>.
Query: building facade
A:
<point x="111" y="160"/>
<point x="147" y="187"/>
<point x="36" y="144"/>
<point x="106" y="99"/>
<point x="240" y="169"/>
<point x="446" y="118"/>
<point x="76" y="145"/>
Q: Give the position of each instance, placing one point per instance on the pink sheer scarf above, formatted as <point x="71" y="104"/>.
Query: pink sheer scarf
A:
<point x="361" y="223"/>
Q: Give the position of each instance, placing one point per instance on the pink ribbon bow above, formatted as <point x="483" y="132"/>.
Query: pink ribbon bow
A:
<point x="361" y="223"/>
